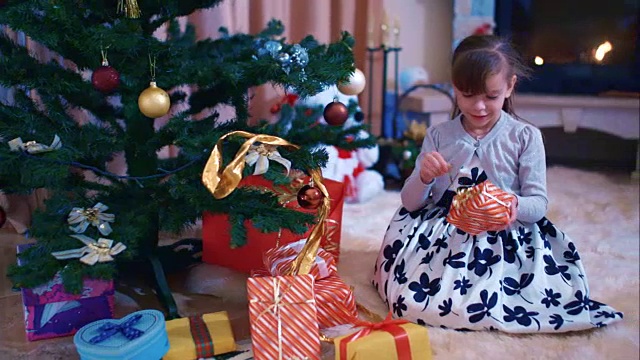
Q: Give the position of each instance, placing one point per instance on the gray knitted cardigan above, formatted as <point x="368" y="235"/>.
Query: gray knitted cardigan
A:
<point x="511" y="154"/>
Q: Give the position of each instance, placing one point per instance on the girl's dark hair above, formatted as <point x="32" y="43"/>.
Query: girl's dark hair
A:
<point x="479" y="56"/>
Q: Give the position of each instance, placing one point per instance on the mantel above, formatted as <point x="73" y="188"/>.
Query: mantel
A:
<point x="613" y="115"/>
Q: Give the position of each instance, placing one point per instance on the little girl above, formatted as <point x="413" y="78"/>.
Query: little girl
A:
<point x="527" y="277"/>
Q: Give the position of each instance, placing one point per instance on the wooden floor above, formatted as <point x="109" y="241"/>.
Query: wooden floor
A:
<point x="13" y="343"/>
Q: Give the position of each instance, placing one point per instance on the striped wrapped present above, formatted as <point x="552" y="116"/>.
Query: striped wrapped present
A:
<point x="335" y="302"/>
<point x="334" y="298"/>
<point x="283" y="317"/>
<point x="483" y="207"/>
<point x="278" y="260"/>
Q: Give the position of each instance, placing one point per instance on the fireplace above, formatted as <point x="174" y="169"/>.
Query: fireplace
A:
<point x="578" y="47"/>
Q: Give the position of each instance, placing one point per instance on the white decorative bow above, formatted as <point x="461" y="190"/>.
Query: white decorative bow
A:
<point x="33" y="147"/>
<point x="260" y="156"/>
<point x="94" y="251"/>
<point x="91" y="216"/>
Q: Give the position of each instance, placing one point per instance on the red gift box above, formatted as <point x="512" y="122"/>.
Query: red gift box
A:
<point x="335" y="302"/>
<point x="282" y="313"/>
<point x="216" y="232"/>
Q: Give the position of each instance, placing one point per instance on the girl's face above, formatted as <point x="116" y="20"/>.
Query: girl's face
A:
<point x="481" y="111"/>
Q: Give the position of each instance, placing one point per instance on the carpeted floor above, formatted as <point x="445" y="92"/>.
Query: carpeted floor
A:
<point x="599" y="212"/>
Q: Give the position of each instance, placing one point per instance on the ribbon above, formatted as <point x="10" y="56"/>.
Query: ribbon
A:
<point x="260" y="156"/>
<point x="390" y="325"/>
<point x="130" y="8"/>
<point x="290" y="251"/>
<point x="109" y="329"/>
<point x="33" y="147"/>
<point x="222" y="182"/>
<point x="201" y="337"/>
<point x="275" y="304"/>
<point x="464" y="194"/>
<point x="331" y="245"/>
<point x="91" y="216"/>
<point x="304" y="260"/>
<point x="93" y="252"/>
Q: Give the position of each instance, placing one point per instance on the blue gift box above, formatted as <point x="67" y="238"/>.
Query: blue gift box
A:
<point x="141" y="335"/>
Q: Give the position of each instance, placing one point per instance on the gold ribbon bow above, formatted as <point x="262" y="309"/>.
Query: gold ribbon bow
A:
<point x="95" y="216"/>
<point x="93" y="251"/>
<point x="464" y="194"/>
<point x="223" y="181"/>
<point x="33" y="147"/>
<point x="260" y="156"/>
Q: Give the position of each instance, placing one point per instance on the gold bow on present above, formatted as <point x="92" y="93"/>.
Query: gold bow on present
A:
<point x="223" y="181"/>
<point x="464" y="194"/>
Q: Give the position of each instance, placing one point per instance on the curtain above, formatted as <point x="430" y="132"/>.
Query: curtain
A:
<point x="325" y="20"/>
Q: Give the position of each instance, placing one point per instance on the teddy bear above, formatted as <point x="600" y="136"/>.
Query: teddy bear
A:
<point x="349" y="166"/>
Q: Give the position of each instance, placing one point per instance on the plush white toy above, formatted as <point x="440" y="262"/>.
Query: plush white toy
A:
<point x="349" y="166"/>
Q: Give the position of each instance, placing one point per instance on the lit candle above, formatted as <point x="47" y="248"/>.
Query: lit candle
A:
<point x="396" y="32"/>
<point x="385" y="28"/>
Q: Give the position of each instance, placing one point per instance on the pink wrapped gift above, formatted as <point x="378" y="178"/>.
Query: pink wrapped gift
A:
<point x="50" y="311"/>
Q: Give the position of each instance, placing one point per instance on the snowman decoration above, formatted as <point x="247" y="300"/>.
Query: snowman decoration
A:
<point x="349" y="166"/>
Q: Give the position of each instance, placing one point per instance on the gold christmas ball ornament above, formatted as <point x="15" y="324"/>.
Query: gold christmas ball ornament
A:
<point x="355" y="85"/>
<point x="153" y="101"/>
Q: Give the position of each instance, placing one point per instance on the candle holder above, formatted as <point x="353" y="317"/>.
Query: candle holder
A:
<point x="385" y="50"/>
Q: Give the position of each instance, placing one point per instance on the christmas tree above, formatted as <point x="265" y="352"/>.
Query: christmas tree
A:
<point x="119" y="76"/>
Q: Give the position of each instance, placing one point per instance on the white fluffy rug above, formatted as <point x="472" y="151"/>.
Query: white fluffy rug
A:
<point x="599" y="212"/>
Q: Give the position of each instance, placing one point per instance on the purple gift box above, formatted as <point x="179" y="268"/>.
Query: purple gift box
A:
<point x="51" y="312"/>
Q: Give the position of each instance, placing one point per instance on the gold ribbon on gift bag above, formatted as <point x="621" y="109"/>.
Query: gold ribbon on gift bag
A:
<point x="223" y="181"/>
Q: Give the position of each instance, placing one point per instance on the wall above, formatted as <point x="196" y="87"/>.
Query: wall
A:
<point x="425" y="35"/>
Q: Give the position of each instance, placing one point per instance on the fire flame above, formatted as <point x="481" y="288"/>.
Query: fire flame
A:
<point x="602" y="50"/>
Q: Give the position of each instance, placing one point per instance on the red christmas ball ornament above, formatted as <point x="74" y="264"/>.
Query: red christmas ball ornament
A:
<point x="3" y="216"/>
<point x="310" y="197"/>
<point x="336" y="113"/>
<point x="105" y="78"/>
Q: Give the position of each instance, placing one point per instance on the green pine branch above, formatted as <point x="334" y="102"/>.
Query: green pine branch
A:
<point x="160" y="194"/>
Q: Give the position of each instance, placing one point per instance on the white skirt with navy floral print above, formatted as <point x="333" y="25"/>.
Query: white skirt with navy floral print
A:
<point x="526" y="279"/>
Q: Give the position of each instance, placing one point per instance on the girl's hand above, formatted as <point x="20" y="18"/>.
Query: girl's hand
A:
<point x="432" y="166"/>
